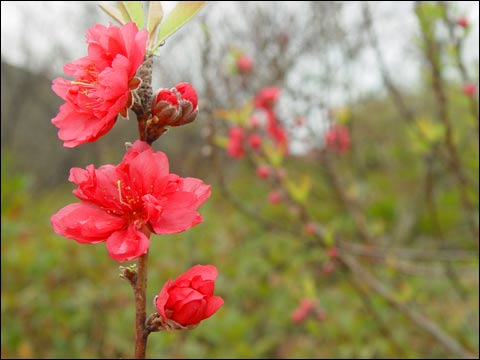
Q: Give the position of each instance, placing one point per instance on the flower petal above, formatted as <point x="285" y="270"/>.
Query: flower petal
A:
<point x="85" y="223"/>
<point x="127" y="244"/>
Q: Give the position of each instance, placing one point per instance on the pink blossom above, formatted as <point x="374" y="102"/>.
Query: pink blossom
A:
<point x="303" y="310"/>
<point x="236" y="138"/>
<point x="267" y="97"/>
<point x="102" y="85"/>
<point x="276" y="131"/>
<point x="263" y="171"/>
<point x="255" y="141"/>
<point x="244" y="64"/>
<point x="463" y="22"/>
<point x="469" y="89"/>
<point x="274" y="197"/>
<point x="189" y="299"/>
<point x="124" y="204"/>
<point x="338" y="139"/>
<point x="332" y="252"/>
<point x="310" y="228"/>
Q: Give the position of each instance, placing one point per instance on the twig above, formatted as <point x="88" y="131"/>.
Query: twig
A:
<point x="450" y="344"/>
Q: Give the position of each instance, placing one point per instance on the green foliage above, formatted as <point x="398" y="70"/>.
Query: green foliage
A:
<point x="181" y="13"/>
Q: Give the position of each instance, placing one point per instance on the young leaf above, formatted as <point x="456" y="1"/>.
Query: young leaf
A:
<point x="181" y="13"/>
<point x="155" y="15"/>
<point x="132" y="11"/>
<point x="114" y="13"/>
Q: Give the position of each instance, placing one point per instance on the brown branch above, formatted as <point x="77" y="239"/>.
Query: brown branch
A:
<point x="458" y="44"/>
<point x="455" y="165"/>
<point x="423" y="322"/>
<point x="141" y="335"/>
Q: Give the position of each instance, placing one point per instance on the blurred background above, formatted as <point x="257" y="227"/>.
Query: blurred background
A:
<point x="389" y="264"/>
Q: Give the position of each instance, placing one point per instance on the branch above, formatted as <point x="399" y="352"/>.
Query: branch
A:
<point x="423" y="322"/>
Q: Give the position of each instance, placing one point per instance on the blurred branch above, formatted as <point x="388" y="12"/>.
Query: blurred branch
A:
<point x="423" y="322"/>
<point x="394" y="93"/>
<point x="456" y="168"/>
<point x="458" y="46"/>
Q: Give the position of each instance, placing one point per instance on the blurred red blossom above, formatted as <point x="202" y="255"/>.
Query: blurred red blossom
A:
<point x="469" y="89"/>
<point x="236" y="137"/>
<point x="244" y="64"/>
<point x="338" y="139"/>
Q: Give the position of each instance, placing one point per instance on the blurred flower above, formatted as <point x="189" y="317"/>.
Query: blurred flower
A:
<point x="236" y="137"/>
<point x="124" y="204"/>
<point x="338" y="139"/>
<point x="463" y="22"/>
<point x="102" y="85"/>
<point x="310" y="228"/>
<point x="283" y="39"/>
<point x="255" y="141"/>
<point x="174" y="107"/>
<point x="300" y="121"/>
<point x="263" y="171"/>
<point x="276" y="131"/>
<point x="281" y="173"/>
<point x="274" y="197"/>
<point x="332" y="252"/>
<point x="244" y="64"/>
<point x="253" y="122"/>
<point x="189" y="299"/>
<point x="469" y="89"/>
<point x="303" y="310"/>
<point x="266" y="98"/>
<point x="328" y="267"/>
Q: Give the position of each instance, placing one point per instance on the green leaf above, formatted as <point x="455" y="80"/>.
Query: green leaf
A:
<point x="181" y="13"/>
<point x="221" y="141"/>
<point x="273" y="154"/>
<point x="155" y="16"/>
<point x="132" y="11"/>
<point x="114" y="13"/>
<point x="299" y="192"/>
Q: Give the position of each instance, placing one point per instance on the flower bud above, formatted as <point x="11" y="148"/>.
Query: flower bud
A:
<point x="244" y="64"/>
<point x="463" y="22"/>
<point x="255" y="141"/>
<point x="469" y="89"/>
<point x="189" y="299"/>
<point x="263" y="171"/>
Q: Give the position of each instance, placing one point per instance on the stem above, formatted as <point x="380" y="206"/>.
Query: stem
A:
<point x="142" y="110"/>
<point x="140" y="288"/>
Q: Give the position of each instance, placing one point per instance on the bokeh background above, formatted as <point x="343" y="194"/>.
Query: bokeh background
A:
<point x="399" y="211"/>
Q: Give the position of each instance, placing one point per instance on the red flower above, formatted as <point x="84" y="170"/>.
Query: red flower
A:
<point x="332" y="252"/>
<point x="102" y="83"/>
<point x="276" y="131"/>
<point x="310" y="228"/>
<point x="174" y="107"/>
<point x="338" y="139"/>
<point x="244" y="64"/>
<point x="189" y="299"/>
<point x="263" y="171"/>
<point x="303" y="310"/>
<point x="255" y="141"/>
<point x="463" y="22"/>
<point x="469" y="89"/>
<point x="236" y="137"/>
<point x="274" y="197"/>
<point x="267" y="97"/>
<point x="124" y="204"/>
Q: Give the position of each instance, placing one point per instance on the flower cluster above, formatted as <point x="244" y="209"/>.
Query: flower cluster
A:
<point x="122" y="205"/>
